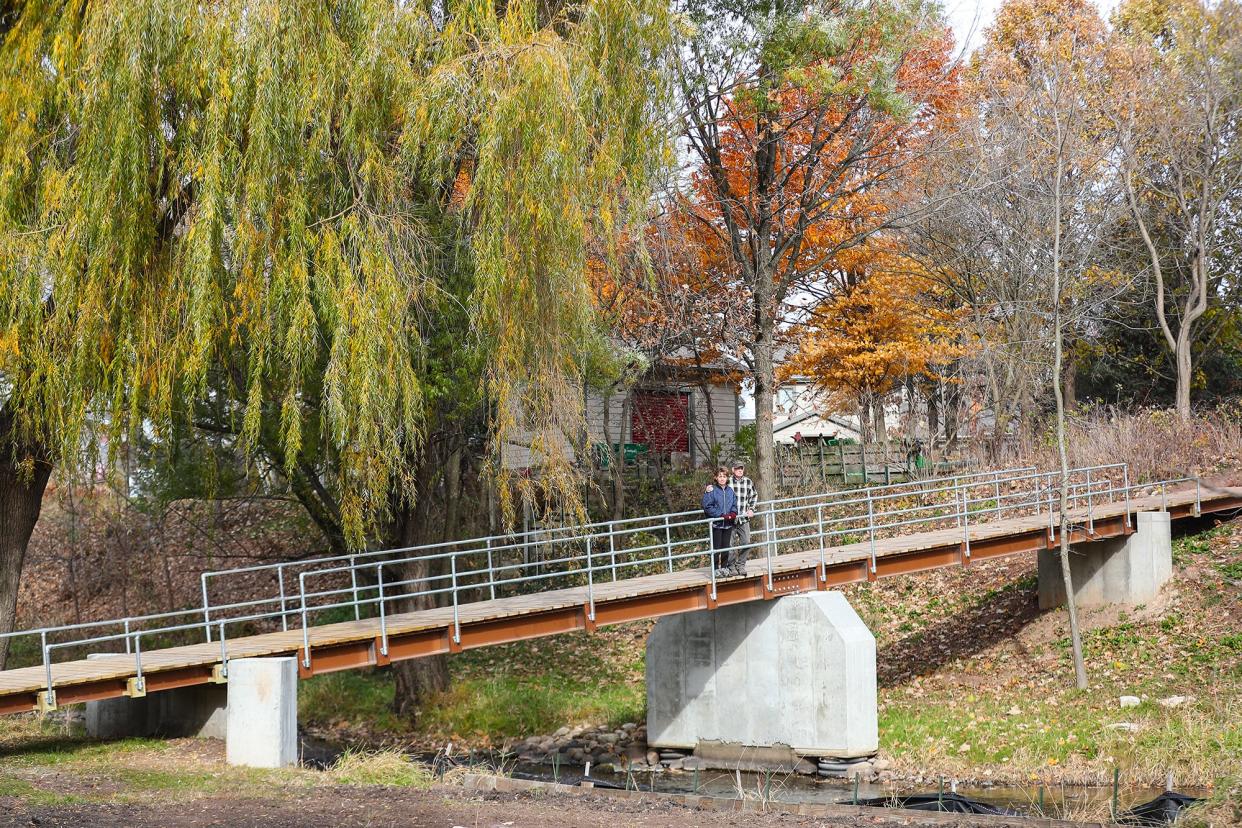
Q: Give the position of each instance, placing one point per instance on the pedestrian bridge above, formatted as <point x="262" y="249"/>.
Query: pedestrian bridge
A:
<point x="337" y="613"/>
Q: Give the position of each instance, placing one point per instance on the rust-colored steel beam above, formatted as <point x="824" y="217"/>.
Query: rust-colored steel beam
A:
<point x="537" y="623"/>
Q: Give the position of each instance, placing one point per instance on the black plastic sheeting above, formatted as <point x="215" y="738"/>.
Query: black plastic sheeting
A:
<point x="1162" y="810"/>
<point x="947" y="803"/>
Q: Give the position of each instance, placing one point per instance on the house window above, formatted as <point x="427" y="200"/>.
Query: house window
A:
<point x="661" y="420"/>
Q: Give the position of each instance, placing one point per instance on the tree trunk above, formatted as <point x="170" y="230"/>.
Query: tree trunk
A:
<point x="765" y="394"/>
<point x="23" y="479"/>
<point x="1185" y="375"/>
<point x="951" y="415"/>
<point x="419" y="678"/>
<point x="1080" y="666"/>
<point x="618" y="464"/>
<point x="1069" y="383"/>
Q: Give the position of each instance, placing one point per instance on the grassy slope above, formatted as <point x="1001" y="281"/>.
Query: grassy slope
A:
<point x="974" y="680"/>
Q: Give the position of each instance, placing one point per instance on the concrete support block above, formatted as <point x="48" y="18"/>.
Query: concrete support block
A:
<point x="262" y="712"/>
<point x="120" y="718"/>
<point x="1127" y="570"/>
<point x="199" y="710"/>
<point x="798" y="671"/>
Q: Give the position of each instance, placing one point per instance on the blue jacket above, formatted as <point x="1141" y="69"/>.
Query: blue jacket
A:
<point x="719" y="502"/>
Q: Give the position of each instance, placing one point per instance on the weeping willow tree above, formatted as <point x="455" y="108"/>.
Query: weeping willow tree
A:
<point x="250" y="203"/>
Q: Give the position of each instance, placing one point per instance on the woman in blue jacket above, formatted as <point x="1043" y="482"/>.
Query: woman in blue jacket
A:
<point x="720" y="501"/>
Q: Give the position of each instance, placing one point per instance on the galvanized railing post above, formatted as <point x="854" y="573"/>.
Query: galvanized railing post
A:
<point x="1125" y="481"/>
<point x="711" y="558"/>
<point x="224" y="654"/>
<point x="668" y="544"/>
<point x="956" y="490"/>
<point x="284" y="618"/>
<point x="383" y="614"/>
<point x="966" y="523"/>
<point x="140" y="683"/>
<point x="491" y="570"/>
<point x="353" y="585"/>
<point x="305" y="630"/>
<point x="770" y="533"/>
<point x="1164" y="497"/>
<point x="206" y="607"/>
<point x="1051" y="522"/>
<point x="49" y="698"/>
<point x="1198" y="498"/>
<point x="871" y="527"/>
<point x="590" y="581"/>
<point x="1090" y="506"/>
<point x="456" y="616"/>
<point x="819" y="522"/>
<point x="125" y="629"/>
<point x="612" y="549"/>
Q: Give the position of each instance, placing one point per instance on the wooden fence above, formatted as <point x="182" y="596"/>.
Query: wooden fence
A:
<point x="820" y="463"/>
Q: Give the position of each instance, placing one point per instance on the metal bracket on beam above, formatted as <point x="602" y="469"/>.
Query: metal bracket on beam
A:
<point x="588" y="618"/>
<point x="380" y="657"/>
<point x="135" y="687"/>
<point x="45" y="701"/>
<point x="219" y="674"/>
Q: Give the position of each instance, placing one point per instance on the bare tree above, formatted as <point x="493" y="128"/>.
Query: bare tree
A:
<point x="1027" y="248"/>
<point x="1176" y="105"/>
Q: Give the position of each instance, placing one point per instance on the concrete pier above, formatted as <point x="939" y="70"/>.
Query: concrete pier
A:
<point x="797" y="672"/>
<point x="197" y="710"/>
<point x="1127" y="570"/>
<point x="119" y="718"/>
<point x="262" y="712"/>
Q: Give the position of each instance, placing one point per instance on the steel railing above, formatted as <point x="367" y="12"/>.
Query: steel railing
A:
<point x="457" y="573"/>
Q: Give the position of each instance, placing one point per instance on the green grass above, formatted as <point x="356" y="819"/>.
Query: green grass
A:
<point x="483" y="709"/>
<point x="510" y="707"/>
<point x="13" y="788"/>
<point x="1069" y="735"/>
<point x="351" y="697"/>
<point x="1188" y="547"/>
<point x="511" y="691"/>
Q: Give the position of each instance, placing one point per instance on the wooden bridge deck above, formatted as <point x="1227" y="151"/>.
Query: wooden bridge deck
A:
<point x="355" y="644"/>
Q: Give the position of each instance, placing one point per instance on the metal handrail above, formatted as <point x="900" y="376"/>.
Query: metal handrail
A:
<point x="1008" y="494"/>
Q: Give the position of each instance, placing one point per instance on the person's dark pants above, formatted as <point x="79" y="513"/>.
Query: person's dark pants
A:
<point x="721" y="537"/>
<point x="741" y="548"/>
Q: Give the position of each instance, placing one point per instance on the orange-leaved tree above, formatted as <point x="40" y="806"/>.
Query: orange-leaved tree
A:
<point x="885" y="323"/>
<point x="801" y="121"/>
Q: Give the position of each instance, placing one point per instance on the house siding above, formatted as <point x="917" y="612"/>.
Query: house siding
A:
<point x="715" y="422"/>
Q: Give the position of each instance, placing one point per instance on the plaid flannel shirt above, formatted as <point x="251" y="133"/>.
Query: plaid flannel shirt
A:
<point x="744" y="489"/>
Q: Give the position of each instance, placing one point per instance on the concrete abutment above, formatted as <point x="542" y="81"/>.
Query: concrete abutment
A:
<point x="255" y="712"/>
<point x="796" y="673"/>
<point x="1126" y="570"/>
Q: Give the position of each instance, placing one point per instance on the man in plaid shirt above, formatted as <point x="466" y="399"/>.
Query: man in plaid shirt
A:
<point x="747" y="500"/>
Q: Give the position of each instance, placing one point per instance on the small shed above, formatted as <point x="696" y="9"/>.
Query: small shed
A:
<point x="688" y="414"/>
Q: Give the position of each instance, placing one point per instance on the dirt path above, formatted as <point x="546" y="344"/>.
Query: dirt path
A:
<point x="437" y="808"/>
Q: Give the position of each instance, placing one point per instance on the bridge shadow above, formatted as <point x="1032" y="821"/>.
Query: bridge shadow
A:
<point x="997" y="617"/>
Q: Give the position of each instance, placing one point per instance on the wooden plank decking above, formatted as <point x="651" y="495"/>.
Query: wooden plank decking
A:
<point x="354" y="644"/>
